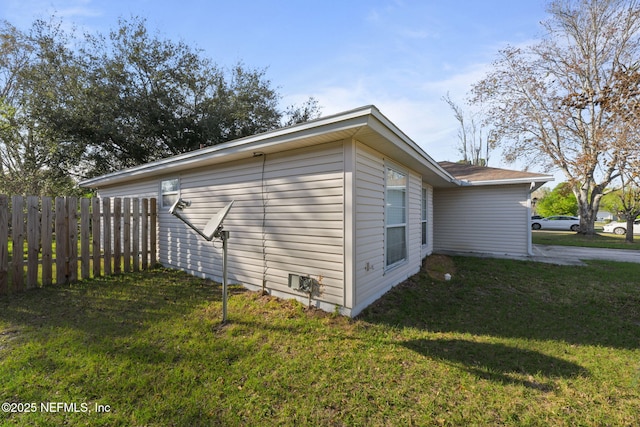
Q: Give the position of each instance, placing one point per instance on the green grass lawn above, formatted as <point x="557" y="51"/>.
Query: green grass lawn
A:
<point x="569" y="238"/>
<point x="503" y="343"/>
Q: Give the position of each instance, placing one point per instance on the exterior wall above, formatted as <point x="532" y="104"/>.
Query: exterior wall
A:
<point x="490" y="220"/>
<point x="145" y="188"/>
<point x="372" y="279"/>
<point x="287" y="218"/>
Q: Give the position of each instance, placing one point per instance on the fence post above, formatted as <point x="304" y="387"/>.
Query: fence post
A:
<point x="17" y="231"/>
<point x="4" y="244"/>
<point x="33" y="240"/>
<point x="46" y="227"/>
<point x="62" y="241"/>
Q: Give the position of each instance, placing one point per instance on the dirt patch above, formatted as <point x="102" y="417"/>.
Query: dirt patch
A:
<point x="439" y="265"/>
<point x="6" y="337"/>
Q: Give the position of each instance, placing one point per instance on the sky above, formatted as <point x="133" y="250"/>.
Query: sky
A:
<point x="402" y="56"/>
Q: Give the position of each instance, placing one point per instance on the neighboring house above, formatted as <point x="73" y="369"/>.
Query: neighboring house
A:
<point x="348" y="201"/>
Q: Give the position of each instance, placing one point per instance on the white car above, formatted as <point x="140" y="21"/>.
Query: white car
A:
<point x="556" y="222"/>
<point x="620" y="228"/>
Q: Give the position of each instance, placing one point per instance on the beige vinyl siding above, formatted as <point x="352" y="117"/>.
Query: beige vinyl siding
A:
<point x="372" y="279"/>
<point x="302" y="215"/>
<point x="491" y="219"/>
<point x="145" y="188"/>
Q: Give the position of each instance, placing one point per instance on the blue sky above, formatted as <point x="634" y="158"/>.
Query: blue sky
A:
<point x="401" y="55"/>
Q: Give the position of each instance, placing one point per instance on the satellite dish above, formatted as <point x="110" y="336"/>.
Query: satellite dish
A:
<point x="211" y="229"/>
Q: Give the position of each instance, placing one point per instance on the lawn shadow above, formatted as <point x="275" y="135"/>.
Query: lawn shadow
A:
<point x="594" y="305"/>
<point x="112" y="307"/>
<point x="498" y="362"/>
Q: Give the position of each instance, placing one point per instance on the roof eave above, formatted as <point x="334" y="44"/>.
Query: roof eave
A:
<point x="243" y="147"/>
<point x="542" y="179"/>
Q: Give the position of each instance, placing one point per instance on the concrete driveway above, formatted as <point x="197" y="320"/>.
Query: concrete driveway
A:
<point x="572" y="255"/>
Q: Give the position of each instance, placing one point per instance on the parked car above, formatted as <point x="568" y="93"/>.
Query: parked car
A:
<point x="620" y="228"/>
<point x="556" y="222"/>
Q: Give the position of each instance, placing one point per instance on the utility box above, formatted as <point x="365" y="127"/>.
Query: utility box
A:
<point x="301" y="283"/>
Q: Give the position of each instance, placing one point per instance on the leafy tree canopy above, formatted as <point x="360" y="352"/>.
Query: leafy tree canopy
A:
<point x="82" y="106"/>
<point x="560" y="201"/>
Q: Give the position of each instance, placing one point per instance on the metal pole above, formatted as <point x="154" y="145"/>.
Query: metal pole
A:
<point x="224" y="235"/>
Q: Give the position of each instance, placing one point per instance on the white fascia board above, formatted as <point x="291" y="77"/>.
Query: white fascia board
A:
<point x="539" y="181"/>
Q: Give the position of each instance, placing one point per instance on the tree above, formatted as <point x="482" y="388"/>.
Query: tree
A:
<point x="473" y="146"/>
<point x="625" y="202"/>
<point x="546" y="100"/>
<point x="81" y="106"/>
<point x="559" y="201"/>
<point x="623" y="99"/>
<point x="28" y="157"/>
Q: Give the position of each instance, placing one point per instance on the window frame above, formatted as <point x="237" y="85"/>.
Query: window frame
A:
<point x="392" y="263"/>
<point x="173" y="194"/>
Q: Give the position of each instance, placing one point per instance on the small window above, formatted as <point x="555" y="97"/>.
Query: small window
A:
<point x="169" y="190"/>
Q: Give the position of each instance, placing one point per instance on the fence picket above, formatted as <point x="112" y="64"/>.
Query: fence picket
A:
<point x="108" y="234"/>
<point x="144" y="233"/>
<point x="46" y="231"/>
<point x="72" y="246"/>
<point x="62" y="254"/>
<point x="4" y="244"/>
<point x="117" y="235"/>
<point x="33" y="240"/>
<point x="85" y="252"/>
<point x="126" y="243"/>
<point x="153" y="221"/>
<point x="95" y="234"/>
<point x="17" y="232"/>
<point x="136" y="235"/>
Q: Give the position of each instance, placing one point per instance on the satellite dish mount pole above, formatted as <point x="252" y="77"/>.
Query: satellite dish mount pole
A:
<point x="224" y="236"/>
<point x="212" y="230"/>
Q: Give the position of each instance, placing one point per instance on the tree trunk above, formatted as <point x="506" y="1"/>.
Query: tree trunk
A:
<point x="629" y="236"/>
<point x="588" y="205"/>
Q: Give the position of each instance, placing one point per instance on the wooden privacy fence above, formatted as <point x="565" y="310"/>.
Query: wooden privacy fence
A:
<point x="71" y="240"/>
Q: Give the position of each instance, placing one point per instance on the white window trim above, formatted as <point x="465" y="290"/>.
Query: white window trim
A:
<point x="170" y="193"/>
<point x="402" y="171"/>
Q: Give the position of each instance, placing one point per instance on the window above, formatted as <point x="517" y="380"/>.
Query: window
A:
<point x="169" y="191"/>
<point x="396" y="216"/>
<point x="424" y="216"/>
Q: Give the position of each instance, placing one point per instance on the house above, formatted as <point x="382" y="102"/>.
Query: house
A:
<point x="333" y="212"/>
